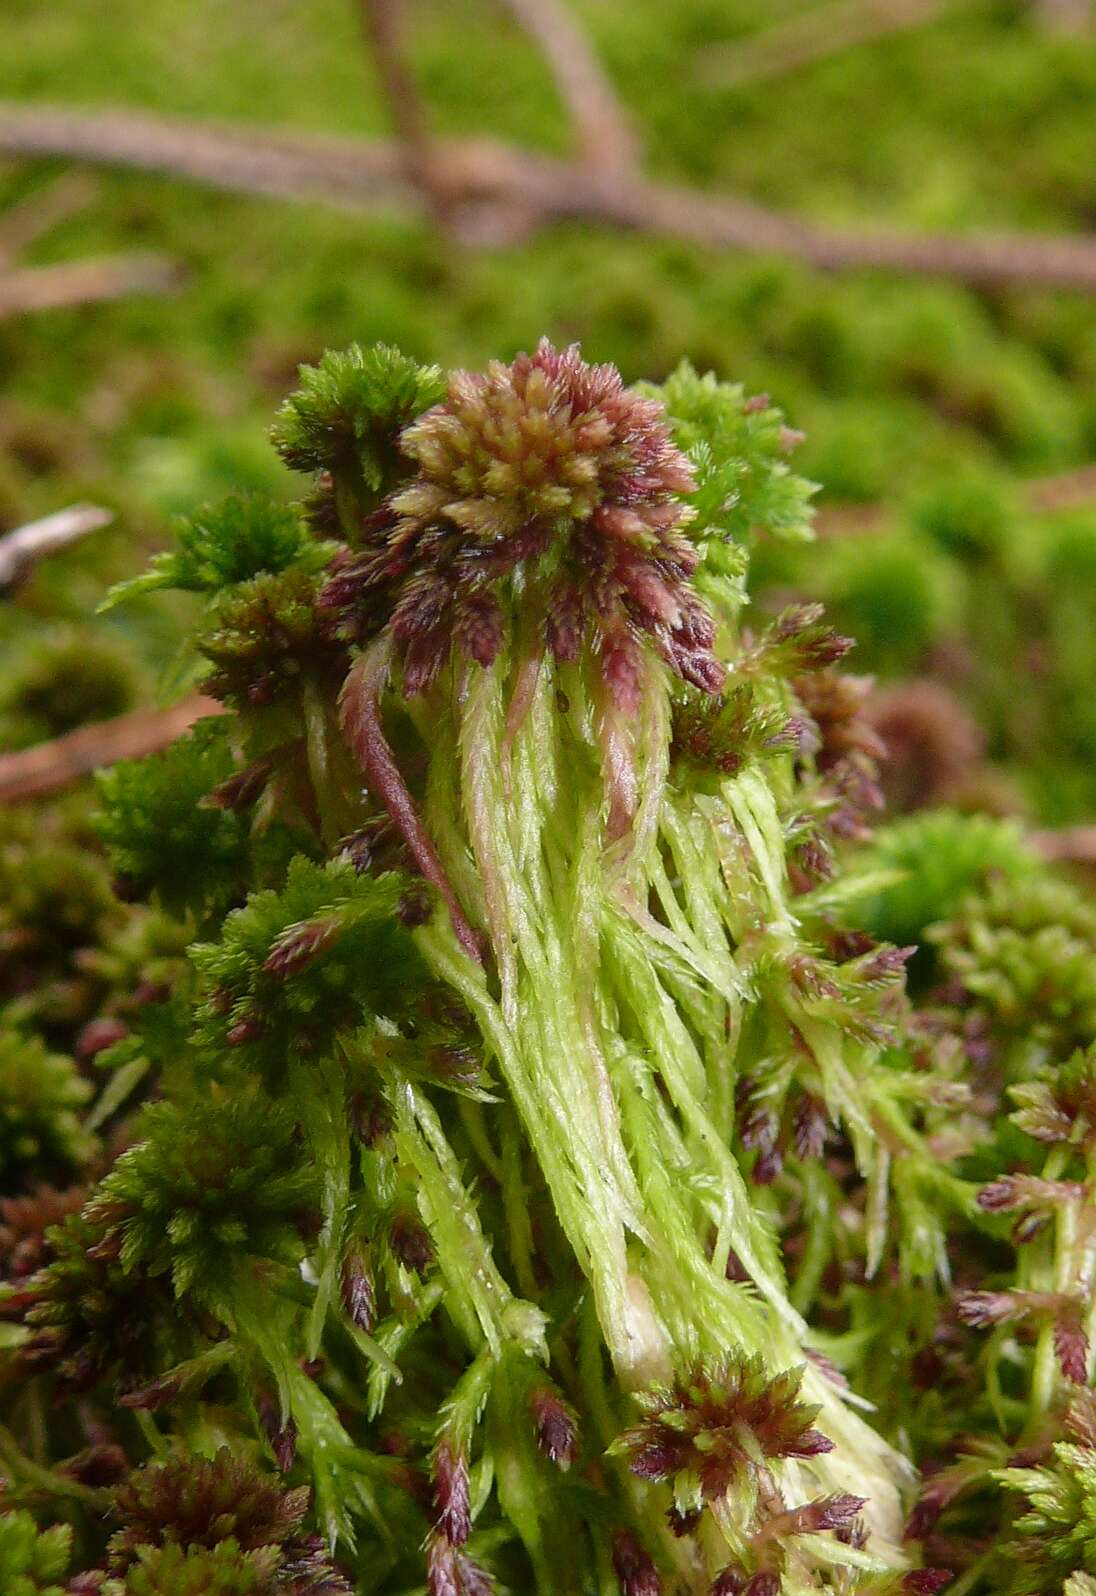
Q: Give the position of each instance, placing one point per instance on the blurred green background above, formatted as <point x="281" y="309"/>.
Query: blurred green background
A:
<point x="933" y="401"/>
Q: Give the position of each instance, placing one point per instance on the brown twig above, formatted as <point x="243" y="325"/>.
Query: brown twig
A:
<point x="801" y="40"/>
<point x="86" y="282"/>
<point x="48" y="767"/>
<point x="356" y="174"/>
<point x="607" y="143"/>
<point x="1071" y="845"/>
<point x="264" y="161"/>
<point x="383" y="23"/>
<point x="850" y="520"/>
<point x="23" y="548"/>
<point x="1065" y="16"/>
<point x="1065" y="490"/>
<point x="23" y="223"/>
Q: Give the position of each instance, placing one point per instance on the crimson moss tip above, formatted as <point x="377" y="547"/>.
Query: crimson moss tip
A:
<point x="717" y="1422"/>
<point x="547" y="496"/>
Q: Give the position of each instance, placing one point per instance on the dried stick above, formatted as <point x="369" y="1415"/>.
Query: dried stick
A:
<point x="607" y="142"/>
<point x="86" y="282"/>
<point x="1065" y="490"/>
<point x="813" y="36"/>
<point x="240" y="159"/>
<point x="23" y="548"/>
<point x="850" y="520"/>
<point x="38" y="213"/>
<point x="357" y="174"/>
<point x="46" y="768"/>
<point x="1072" y="845"/>
<point x="1064" y="16"/>
<point x="1047" y="260"/>
<point x="383" y="22"/>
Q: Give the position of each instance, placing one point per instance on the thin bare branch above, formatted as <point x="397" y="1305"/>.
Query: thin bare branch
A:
<point x="1065" y="16"/>
<point x="48" y="767"/>
<point x="22" y="549"/>
<point x="851" y="520"/>
<point x="984" y="258"/>
<point x="37" y="213"/>
<point x="1065" y="490"/>
<point x="812" y="36"/>
<point x="358" y="174"/>
<point x="247" y="160"/>
<point x="607" y="142"/>
<point x="1072" y="845"/>
<point x="383" y="23"/>
<point x="86" y="282"/>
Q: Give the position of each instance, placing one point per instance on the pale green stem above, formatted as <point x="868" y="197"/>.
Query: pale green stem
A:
<point x="593" y="1228"/>
<point x="318" y="746"/>
<point x="23" y="1470"/>
<point x="1055" y="1273"/>
<point x="480" y="1300"/>
<point x="515" y="1199"/>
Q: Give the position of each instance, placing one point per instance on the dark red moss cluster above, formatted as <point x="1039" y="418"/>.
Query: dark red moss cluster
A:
<point x="714" y="1423"/>
<point x="547" y="475"/>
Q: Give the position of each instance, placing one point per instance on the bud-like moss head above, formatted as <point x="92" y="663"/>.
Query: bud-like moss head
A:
<point x="550" y="479"/>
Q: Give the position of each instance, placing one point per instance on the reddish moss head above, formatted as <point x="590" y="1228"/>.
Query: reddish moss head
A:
<point x="720" y="1422"/>
<point x="197" y="1501"/>
<point x="549" y="479"/>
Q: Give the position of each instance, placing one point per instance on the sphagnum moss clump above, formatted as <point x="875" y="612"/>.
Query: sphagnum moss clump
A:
<point x="537" y="1172"/>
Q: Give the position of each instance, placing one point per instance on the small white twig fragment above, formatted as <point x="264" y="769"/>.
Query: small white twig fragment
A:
<point x="23" y="548"/>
